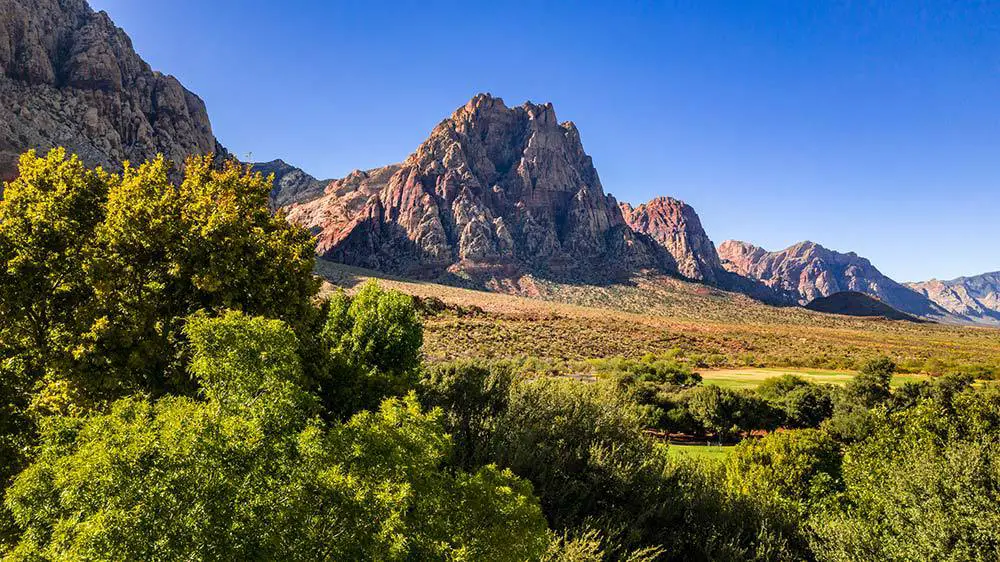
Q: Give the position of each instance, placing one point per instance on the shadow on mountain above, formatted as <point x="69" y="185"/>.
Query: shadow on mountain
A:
<point x="852" y="303"/>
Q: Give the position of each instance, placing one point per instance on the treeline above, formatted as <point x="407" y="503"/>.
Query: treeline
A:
<point x="172" y="387"/>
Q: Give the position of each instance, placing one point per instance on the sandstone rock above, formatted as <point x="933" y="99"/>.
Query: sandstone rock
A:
<point x="812" y="271"/>
<point x="975" y="299"/>
<point x="69" y="77"/>
<point x="493" y="188"/>
<point x="676" y="226"/>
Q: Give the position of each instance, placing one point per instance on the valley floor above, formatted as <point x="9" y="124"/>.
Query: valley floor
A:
<point x="562" y="325"/>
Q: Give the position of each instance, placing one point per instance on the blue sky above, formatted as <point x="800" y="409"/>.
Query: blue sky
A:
<point x="864" y="126"/>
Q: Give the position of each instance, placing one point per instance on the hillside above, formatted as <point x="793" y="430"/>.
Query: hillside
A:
<point x="562" y="323"/>
<point x="812" y="271"/>
<point x="69" y="77"/>
<point x="853" y="303"/>
<point x="976" y="298"/>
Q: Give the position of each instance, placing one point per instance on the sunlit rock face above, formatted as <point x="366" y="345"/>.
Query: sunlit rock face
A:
<point x="69" y="77"/>
<point x="507" y="190"/>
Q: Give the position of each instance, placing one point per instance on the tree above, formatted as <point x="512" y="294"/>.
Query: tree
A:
<point x="99" y="270"/>
<point x="793" y="467"/>
<point x="804" y="404"/>
<point x="374" y="340"/>
<point x="921" y="486"/>
<point x="250" y="473"/>
<point x="727" y="412"/>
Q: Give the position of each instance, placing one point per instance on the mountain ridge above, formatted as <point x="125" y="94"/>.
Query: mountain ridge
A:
<point x="813" y="271"/>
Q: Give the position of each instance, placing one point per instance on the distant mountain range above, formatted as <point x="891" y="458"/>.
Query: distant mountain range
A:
<point x="976" y="299"/>
<point x="495" y="192"/>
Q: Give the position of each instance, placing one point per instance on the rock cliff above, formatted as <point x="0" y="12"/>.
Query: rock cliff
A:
<point x="812" y="271"/>
<point x="69" y="77"/>
<point x="676" y="226"/>
<point x="976" y="298"/>
<point x="494" y="190"/>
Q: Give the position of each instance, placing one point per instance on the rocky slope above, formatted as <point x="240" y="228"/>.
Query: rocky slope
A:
<point x="812" y="271"/>
<point x="291" y="184"/>
<point x="676" y="226"/>
<point x="494" y="191"/>
<point x="976" y="299"/>
<point x="69" y="77"/>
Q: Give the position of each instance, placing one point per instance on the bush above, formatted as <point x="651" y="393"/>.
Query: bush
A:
<point x="250" y="473"/>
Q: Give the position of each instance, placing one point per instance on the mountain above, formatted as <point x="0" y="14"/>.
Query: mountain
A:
<point x="976" y="299"/>
<point x="291" y="184"/>
<point x="494" y="191"/>
<point x="69" y="77"/>
<point x="853" y="303"/>
<point x="675" y="226"/>
<point x="812" y="271"/>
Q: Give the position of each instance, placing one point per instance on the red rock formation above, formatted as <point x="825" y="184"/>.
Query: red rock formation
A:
<point x="676" y="226"/>
<point x="492" y="189"/>
<point x="69" y="77"/>
<point x="812" y="271"/>
<point x="975" y="299"/>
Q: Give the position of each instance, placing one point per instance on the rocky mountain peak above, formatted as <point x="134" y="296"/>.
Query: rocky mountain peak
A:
<point x="812" y="271"/>
<point x="69" y="77"/>
<point x="676" y="226"/>
<point x="975" y="298"/>
<point x="492" y="188"/>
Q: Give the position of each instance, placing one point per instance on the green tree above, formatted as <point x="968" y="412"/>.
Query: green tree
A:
<point x="794" y="467"/>
<point x="374" y="340"/>
<point x="804" y="404"/>
<point x="99" y="270"/>
<point x="249" y="473"/>
<point x="922" y="486"/>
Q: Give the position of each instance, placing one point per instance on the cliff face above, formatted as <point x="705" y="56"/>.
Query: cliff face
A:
<point x="975" y="298"/>
<point x="495" y="189"/>
<point x="676" y="226"/>
<point x="812" y="271"/>
<point x="69" y="77"/>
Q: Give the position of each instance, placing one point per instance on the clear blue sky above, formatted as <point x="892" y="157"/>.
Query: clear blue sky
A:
<point x="865" y="126"/>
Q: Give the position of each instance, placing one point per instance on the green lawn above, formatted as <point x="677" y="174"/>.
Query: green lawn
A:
<point x="752" y="377"/>
<point x="707" y="452"/>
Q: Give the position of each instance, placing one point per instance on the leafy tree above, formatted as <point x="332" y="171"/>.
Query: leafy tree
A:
<point x="922" y="486"/>
<point x="374" y="339"/>
<point x="99" y="270"/>
<point x="804" y="404"/>
<point x="250" y="473"/>
<point x="727" y="412"/>
<point x="473" y="396"/>
<point x="793" y="467"/>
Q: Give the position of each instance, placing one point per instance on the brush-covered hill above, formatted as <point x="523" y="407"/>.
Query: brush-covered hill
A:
<point x="853" y="303"/>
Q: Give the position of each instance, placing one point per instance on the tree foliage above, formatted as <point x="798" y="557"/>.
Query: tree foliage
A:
<point x="249" y="473"/>
<point x="100" y="270"/>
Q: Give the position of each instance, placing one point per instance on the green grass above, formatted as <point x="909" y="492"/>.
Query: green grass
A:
<point x="707" y="452"/>
<point x="749" y="378"/>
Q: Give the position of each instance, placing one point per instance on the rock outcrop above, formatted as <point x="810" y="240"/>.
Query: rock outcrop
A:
<point x="975" y="299"/>
<point x="676" y="226"/>
<point x="812" y="271"/>
<point x="494" y="190"/>
<point x="69" y="77"/>
<point x="291" y="184"/>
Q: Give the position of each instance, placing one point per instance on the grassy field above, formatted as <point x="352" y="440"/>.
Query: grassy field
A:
<point x="751" y="377"/>
<point x="559" y="324"/>
<point x="707" y="452"/>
